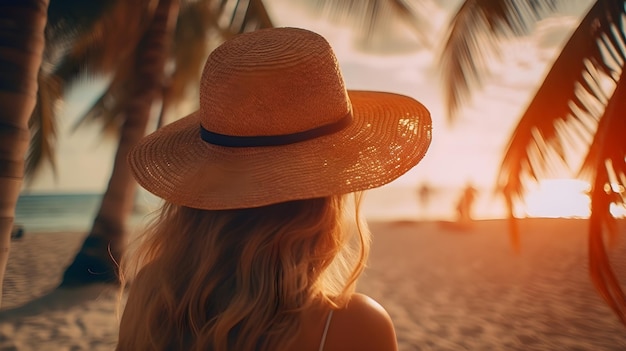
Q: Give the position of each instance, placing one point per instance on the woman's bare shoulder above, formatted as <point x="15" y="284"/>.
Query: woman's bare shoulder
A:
<point x="362" y="325"/>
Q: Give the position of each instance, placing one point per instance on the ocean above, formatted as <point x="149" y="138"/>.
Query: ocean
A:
<point x="56" y="212"/>
<point x="75" y="212"/>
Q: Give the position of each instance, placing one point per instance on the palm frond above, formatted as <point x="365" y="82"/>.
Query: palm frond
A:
<point x="99" y="49"/>
<point x="67" y="19"/>
<point x="70" y="24"/>
<point x="569" y="103"/>
<point x="201" y="27"/>
<point x="605" y="158"/>
<point x="606" y="166"/>
<point x="375" y="17"/>
<point x="43" y="128"/>
<point x="243" y="16"/>
<point x="108" y="109"/>
<point x="581" y="102"/>
<point x="197" y="32"/>
<point x="81" y="40"/>
<point x="474" y="38"/>
<point x="189" y="50"/>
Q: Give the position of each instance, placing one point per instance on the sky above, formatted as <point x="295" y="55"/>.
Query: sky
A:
<point x="466" y="150"/>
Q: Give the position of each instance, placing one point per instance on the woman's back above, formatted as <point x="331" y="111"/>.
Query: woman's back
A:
<point x="362" y="325"/>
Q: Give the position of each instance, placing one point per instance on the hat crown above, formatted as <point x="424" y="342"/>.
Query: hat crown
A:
<point x="272" y="82"/>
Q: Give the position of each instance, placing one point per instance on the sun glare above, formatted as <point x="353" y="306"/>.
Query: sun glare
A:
<point x="559" y="198"/>
<point x="618" y="211"/>
<point x="568" y="198"/>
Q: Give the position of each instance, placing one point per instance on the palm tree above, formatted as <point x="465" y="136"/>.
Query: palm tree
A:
<point x="144" y="35"/>
<point x="582" y="101"/>
<point x="23" y="35"/>
<point x="22" y="49"/>
<point x="144" y="82"/>
<point x="134" y="42"/>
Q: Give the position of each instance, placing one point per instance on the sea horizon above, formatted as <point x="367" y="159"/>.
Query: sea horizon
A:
<point x="49" y="211"/>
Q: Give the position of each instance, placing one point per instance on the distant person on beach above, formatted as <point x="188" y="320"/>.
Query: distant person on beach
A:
<point x="257" y="246"/>
<point x="465" y="205"/>
<point x="423" y="193"/>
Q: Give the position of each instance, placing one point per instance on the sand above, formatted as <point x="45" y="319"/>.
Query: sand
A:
<point x="445" y="289"/>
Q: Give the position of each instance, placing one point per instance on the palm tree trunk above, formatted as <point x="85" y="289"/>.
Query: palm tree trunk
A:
<point x="103" y="247"/>
<point x="602" y="274"/>
<point x="22" y="24"/>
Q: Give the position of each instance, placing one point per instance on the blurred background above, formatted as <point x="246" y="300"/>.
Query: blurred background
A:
<point x="466" y="152"/>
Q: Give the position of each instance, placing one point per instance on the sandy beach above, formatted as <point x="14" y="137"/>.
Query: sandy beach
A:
<point x="445" y="289"/>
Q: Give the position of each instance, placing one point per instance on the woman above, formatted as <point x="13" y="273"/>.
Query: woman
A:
<point x="257" y="246"/>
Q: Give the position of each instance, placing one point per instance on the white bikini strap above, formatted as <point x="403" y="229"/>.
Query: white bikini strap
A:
<point x="330" y="315"/>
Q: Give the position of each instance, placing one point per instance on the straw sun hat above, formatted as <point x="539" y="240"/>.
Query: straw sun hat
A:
<point x="275" y="124"/>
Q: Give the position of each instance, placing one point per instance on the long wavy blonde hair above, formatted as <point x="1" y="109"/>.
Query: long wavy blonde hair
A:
<point x="239" y="279"/>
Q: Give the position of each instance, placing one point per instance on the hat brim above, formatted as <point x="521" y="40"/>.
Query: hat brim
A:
<point x="389" y="135"/>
